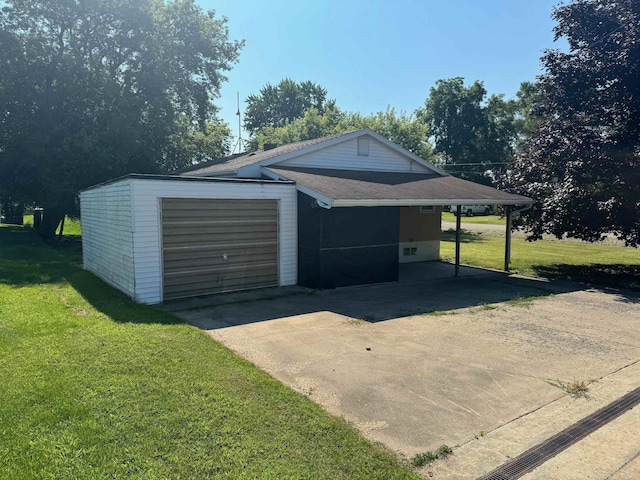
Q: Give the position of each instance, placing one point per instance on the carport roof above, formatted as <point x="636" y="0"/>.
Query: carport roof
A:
<point x="353" y="188"/>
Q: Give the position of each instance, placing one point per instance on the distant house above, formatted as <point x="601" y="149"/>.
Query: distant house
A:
<point x="324" y="213"/>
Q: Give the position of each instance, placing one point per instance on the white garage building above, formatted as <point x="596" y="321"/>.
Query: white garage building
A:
<point x="159" y="238"/>
<point x="323" y="213"/>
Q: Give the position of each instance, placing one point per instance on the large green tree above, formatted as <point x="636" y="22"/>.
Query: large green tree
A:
<point x="90" y="90"/>
<point x="277" y="105"/>
<point x="472" y="133"/>
<point x="582" y="164"/>
<point x="525" y="121"/>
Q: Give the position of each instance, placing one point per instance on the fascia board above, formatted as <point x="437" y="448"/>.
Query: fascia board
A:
<point x="410" y="202"/>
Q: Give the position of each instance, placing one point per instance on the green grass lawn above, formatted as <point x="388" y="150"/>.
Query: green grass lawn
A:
<point x="600" y="264"/>
<point x="95" y="386"/>
<point x="484" y="219"/>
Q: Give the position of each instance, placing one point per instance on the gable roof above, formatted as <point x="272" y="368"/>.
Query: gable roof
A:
<point x="352" y="188"/>
<point x="233" y="163"/>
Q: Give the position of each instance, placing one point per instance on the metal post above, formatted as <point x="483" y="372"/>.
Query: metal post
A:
<point x="507" y="239"/>
<point x="458" y="219"/>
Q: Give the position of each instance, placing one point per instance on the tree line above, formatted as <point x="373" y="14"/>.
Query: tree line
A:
<point x="460" y="128"/>
<point x="93" y="90"/>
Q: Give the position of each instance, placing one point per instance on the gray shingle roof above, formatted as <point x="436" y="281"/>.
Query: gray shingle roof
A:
<point x="353" y="185"/>
<point x="234" y="162"/>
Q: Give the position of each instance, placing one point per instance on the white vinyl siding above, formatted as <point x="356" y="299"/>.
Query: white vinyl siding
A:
<point x="107" y="237"/>
<point x="344" y="156"/>
<point x="147" y="233"/>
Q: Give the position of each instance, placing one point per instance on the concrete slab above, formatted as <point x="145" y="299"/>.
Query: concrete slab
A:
<point x="476" y="374"/>
<point x="608" y="449"/>
<point x="424" y="287"/>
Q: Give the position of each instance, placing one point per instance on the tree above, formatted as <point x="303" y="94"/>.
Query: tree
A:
<point x="582" y="164"/>
<point x="470" y="131"/>
<point x="190" y="144"/>
<point x="405" y="130"/>
<point x="276" y="106"/>
<point x="94" y="90"/>
<point x="525" y="120"/>
<point x="312" y="124"/>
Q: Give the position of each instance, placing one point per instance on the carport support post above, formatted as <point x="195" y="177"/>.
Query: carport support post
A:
<point x="507" y="239"/>
<point x="458" y="220"/>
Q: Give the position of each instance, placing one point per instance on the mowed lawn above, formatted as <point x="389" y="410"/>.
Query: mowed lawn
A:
<point x="481" y="219"/>
<point x="95" y="386"/>
<point x="569" y="260"/>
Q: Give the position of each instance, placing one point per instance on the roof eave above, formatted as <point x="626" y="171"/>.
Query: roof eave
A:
<point x="216" y="173"/>
<point x="411" y="202"/>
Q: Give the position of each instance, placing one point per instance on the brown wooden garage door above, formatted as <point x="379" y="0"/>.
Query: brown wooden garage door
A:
<point x="213" y="246"/>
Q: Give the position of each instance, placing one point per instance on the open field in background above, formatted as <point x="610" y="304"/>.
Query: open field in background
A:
<point x="602" y="264"/>
<point x="96" y="386"/>
<point x="481" y="219"/>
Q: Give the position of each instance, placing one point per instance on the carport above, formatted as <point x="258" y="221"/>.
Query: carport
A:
<point x="354" y="219"/>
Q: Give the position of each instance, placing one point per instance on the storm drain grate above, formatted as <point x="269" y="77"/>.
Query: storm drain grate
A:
<point x="536" y="456"/>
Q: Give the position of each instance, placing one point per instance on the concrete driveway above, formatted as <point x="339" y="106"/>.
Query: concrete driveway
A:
<point x="474" y="362"/>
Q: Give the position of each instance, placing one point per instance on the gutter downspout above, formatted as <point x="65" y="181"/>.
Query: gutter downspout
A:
<point x="507" y="236"/>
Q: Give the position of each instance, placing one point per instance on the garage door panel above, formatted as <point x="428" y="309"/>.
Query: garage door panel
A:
<point x="188" y="290"/>
<point x="176" y="206"/>
<point x="195" y="290"/>
<point x="246" y="231"/>
<point x="217" y="223"/>
<point x="219" y="262"/>
<point x="221" y="239"/>
<point x="213" y="246"/>
<point x="220" y="216"/>
<point x="200" y="255"/>
<point x="191" y="211"/>
<point x="217" y="276"/>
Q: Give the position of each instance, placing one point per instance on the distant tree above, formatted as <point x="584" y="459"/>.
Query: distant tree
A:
<point x="582" y="163"/>
<point x="312" y="124"/>
<point x="191" y="143"/>
<point x="94" y="90"/>
<point x="275" y="106"/>
<point x="405" y="130"/>
<point x="525" y="121"/>
<point x="470" y="131"/>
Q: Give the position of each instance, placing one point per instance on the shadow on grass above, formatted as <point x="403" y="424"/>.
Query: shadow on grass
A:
<point x="466" y="236"/>
<point x="26" y="260"/>
<point x="613" y="275"/>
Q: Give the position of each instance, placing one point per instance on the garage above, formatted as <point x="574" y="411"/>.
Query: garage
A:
<point x="159" y="238"/>
<point x="321" y="213"/>
<point x="214" y="246"/>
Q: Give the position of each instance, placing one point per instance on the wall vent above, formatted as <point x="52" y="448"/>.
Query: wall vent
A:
<point x="363" y="146"/>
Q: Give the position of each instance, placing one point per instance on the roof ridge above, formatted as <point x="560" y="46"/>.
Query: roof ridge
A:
<point x="260" y="155"/>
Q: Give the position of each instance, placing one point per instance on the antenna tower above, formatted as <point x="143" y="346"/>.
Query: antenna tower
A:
<point x="240" y="143"/>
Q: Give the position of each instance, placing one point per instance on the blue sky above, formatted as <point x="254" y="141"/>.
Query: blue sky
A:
<point x="375" y="53"/>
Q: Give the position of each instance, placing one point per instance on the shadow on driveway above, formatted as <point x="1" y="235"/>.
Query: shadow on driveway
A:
<point x="422" y="289"/>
